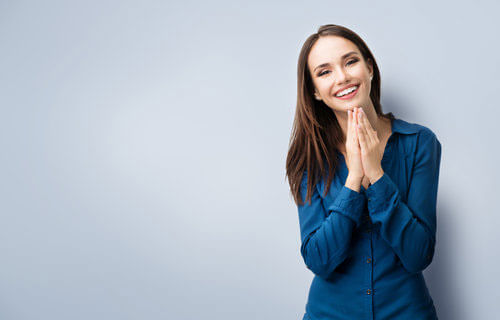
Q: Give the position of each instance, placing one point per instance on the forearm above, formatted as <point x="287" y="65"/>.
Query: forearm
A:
<point x="412" y="238"/>
<point x="326" y="231"/>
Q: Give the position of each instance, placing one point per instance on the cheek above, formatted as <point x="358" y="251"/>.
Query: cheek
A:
<point x="368" y="88"/>
<point x="323" y="87"/>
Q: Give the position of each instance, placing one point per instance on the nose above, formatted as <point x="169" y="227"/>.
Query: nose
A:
<point x="342" y="76"/>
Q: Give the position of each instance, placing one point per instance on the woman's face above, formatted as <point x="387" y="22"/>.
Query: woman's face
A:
<point x="334" y="64"/>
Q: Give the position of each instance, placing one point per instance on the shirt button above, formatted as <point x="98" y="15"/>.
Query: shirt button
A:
<point x="368" y="291"/>
<point x="368" y="260"/>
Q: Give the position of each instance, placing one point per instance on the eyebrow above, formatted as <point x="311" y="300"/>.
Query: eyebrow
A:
<point x="343" y="57"/>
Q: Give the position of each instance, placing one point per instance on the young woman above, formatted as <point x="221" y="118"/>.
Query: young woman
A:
<point x="365" y="184"/>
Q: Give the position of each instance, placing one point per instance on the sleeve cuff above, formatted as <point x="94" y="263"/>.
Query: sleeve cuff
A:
<point x="350" y="204"/>
<point x="380" y="193"/>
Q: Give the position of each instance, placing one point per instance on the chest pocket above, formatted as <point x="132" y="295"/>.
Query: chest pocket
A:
<point x="400" y="165"/>
<point x="407" y="162"/>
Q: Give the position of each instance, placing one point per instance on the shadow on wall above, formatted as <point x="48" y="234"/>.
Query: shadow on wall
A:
<point x="441" y="276"/>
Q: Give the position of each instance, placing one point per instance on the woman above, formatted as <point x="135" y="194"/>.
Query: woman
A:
<point x="368" y="225"/>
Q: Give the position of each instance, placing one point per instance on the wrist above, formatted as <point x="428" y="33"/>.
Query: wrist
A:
<point x="353" y="183"/>
<point x="354" y="178"/>
<point x="374" y="178"/>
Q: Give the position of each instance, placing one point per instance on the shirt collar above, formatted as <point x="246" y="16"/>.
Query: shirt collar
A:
<point x="403" y="127"/>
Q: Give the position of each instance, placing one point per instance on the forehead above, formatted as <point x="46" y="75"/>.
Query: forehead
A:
<point x="329" y="49"/>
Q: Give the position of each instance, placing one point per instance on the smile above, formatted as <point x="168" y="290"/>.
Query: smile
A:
<point x="349" y="96"/>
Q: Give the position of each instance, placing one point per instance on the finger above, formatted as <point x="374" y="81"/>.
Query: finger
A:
<point x="349" y="124"/>
<point x="361" y="137"/>
<point x="356" y="115"/>
<point x="363" y="129"/>
<point x="354" y="125"/>
<point x="369" y="129"/>
<point x="348" y="120"/>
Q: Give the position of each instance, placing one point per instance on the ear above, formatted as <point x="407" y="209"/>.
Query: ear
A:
<point x="369" y="63"/>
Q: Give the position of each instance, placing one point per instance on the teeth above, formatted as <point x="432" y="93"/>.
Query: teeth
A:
<point x="346" y="91"/>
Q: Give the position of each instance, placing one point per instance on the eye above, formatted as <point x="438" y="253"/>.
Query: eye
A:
<point x="348" y="63"/>
<point x="352" y="61"/>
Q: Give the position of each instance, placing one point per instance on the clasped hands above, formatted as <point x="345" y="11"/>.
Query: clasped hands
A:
<point x="363" y="147"/>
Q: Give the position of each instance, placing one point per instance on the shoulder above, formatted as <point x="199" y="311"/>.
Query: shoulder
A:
<point x="426" y="145"/>
<point x="427" y="139"/>
<point x="418" y="132"/>
<point x="417" y="141"/>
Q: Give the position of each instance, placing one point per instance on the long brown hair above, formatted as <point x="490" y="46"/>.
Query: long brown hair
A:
<point x="316" y="132"/>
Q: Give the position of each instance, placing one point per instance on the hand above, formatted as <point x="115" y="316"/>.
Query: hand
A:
<point x="372" y="149"/>
<point x="353" y="150"/>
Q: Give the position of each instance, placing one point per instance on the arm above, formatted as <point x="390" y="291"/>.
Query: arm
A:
<point x="326" y="232"/>
<point x="410" y="228"/>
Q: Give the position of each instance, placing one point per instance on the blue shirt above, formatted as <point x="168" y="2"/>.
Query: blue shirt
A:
<point x="367" y="249"/>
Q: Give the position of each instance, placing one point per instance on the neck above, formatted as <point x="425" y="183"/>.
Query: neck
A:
<point x="377" y="123"/>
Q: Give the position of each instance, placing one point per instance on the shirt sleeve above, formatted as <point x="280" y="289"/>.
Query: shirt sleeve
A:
<point x="326" y="232"/>
<point x="410" y="228"/>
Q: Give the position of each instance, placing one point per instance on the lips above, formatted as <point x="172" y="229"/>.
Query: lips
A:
<point x="346" y="87"/>
<point x="348" y="96"/>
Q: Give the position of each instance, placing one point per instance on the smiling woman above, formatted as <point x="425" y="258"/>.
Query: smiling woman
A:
<point x="365" y="184"/>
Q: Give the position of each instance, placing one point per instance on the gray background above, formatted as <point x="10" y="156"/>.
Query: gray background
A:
<point x="143" y="150"/>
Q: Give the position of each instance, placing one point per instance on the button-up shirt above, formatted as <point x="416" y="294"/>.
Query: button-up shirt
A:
<point x="368" y="249"/>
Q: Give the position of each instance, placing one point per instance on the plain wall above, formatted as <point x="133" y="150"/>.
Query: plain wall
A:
<point x="143" y="148"/>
